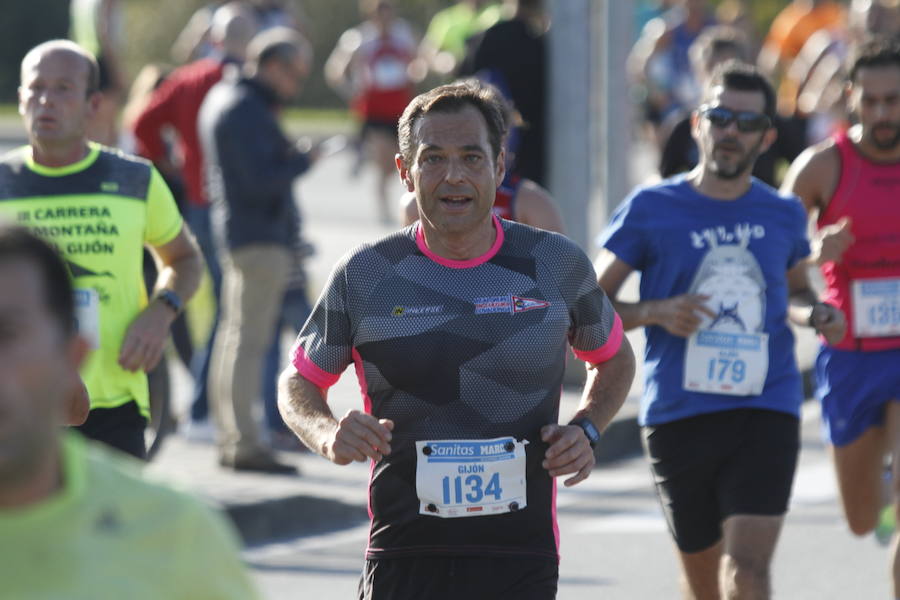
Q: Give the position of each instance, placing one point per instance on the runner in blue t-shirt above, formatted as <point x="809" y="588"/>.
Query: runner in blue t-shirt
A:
<point x="720" y="256"/>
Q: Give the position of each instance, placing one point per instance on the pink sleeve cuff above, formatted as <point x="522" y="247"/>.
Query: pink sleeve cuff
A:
<point x="306" y="367"/>
<point x="607" y="350"/>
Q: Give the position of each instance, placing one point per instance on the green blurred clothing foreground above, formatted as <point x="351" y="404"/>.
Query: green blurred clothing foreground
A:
<point x="107" y="533"/>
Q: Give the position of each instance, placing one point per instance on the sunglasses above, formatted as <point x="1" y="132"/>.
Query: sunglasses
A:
<point x="746" y="121"/>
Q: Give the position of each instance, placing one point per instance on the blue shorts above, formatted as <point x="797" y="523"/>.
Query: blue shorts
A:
<point x="854" y="388"/>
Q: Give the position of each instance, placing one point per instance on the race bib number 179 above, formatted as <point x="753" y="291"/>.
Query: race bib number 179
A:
<point x="734" y="364"/>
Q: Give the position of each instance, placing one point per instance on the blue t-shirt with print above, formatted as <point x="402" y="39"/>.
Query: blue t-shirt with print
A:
<point x="736" y="252"/>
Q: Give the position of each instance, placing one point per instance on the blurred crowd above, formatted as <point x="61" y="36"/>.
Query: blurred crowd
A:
<point x="803" y="53"/>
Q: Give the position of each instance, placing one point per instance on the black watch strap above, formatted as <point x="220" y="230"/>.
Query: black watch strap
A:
<point x="170" y="299"/>
<point x="809" y="321"/>
<point x="590" y="430"/>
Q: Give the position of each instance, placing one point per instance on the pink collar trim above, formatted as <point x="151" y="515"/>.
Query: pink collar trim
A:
<point x="462" y="264"/>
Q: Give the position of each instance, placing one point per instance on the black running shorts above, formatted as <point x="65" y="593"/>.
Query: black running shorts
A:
<point x="121" y="428"/>
<point x="455" y="578"/>
<point x="709" y="467"/>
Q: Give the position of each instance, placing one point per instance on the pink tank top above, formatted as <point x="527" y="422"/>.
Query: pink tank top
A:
<point x="866" y="283"/>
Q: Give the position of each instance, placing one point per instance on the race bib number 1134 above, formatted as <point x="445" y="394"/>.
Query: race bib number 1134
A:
<point x="470" y="478"/>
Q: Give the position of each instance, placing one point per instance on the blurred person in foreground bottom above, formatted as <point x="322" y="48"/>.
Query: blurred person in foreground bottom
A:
<point x="74" y="520"/>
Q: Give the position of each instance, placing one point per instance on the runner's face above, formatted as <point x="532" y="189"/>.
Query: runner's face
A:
<point x="53" y="98"/>
<point x="38" y="370"/>
<point x="726" y="151"/>
<point x="454" y="173"/>
<point x="875" y="98"/>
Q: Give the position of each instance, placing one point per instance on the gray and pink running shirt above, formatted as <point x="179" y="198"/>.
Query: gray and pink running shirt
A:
<point x="459" y="350"/>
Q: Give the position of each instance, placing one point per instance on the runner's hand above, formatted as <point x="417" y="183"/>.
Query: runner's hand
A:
<point x="829" y="321"/>
<point x="680" y="315"/>
<point x="358" y="437"/>
<point x="569" y="452"/>
<point x="146" y="338"/>
<point x="833" y="240"/>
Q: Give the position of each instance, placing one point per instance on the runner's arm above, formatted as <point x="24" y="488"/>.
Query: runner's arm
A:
<point x="180" y="266"/>
<point x="604" y="393"/>
<point x="805" y="309"/>
<point x="813" y="177"/>
<point x="357" y="436"/>
<point x="535" y="207"/>
<point x="678" y="314"/>
<point x="337" y="67"/>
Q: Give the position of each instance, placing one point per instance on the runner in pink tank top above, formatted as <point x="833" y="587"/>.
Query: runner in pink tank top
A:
<point x="852" y="184"/>
<point x="865" y="281"/>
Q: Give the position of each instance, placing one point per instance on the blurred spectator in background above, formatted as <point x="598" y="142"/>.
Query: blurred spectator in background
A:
<point x="739" y="15"/>
<point x="76" y="522"/>
<point x="660" y="68"/>
<point x="174" y="107"/>
<point x="713" y="47"/>
<point x="445" y="39"/>
<point x="374" y="68"/>
<point x="279" y="13"/>
<point x="789" y="31"/>
<point x="194" y="41"/>
<point x="512" y="55"/>
<point x="647" y="10"/>
<point x="250" y="168"/>
<point x="96" y="26"/>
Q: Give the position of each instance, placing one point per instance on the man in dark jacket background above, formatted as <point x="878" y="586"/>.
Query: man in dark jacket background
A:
<point x="250" y="167"/>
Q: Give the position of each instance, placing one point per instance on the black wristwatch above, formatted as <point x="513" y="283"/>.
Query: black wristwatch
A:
<point x="170" y="299"/>
<point x="589" y="429"/>
<point x="809" y="321"/>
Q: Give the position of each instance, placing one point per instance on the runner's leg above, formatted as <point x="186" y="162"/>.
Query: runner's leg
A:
<point x="859" y="466"/>
<point x="892" y="429"/>
<point x="749" y="545"/>
<point x="700" y="573"/>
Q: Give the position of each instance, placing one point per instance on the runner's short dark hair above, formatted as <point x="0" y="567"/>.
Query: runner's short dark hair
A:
<point x="737" y="75"/>
<point x="453" y="98"/>
<point x="880" y="51"/>
<point x="17" y="242"/>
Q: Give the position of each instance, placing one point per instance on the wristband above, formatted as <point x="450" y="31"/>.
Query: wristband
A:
<point x="809" y="321"/>
<point x="589" y="429"/>
<point x="170" y="299"/>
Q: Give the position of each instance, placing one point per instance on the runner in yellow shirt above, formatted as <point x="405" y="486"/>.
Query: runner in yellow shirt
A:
<point x="99" y="207"/>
